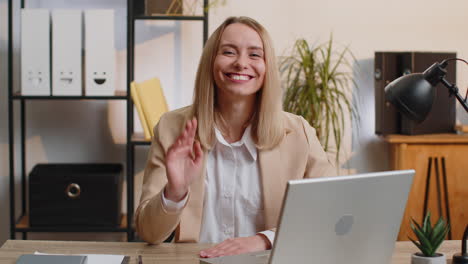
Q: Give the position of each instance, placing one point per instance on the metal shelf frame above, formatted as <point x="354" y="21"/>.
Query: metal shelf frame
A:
<point x="118" y="96"/>
<point x="144" y="17"/>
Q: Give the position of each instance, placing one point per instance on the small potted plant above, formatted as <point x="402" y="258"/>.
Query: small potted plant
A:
<point x="430" y="238"/>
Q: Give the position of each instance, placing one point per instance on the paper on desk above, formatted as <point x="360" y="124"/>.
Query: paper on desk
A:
<point x="95" y="258"/>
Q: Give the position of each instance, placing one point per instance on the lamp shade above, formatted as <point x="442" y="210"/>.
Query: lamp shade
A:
<point x="412" y="95"/>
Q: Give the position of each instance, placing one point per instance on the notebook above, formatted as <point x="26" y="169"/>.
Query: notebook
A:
<point x="94" y="258"/>
<point x="51" y="259"/>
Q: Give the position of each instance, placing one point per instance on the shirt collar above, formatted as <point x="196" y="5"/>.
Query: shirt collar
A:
<point x="246" y="140"/>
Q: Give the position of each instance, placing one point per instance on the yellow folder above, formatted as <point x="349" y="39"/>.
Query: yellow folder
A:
<point x="150" y="103"/>
<point x="137" y="103"/>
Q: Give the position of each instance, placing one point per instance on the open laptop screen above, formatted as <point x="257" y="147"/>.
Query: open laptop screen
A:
<point x="346" y="219"/>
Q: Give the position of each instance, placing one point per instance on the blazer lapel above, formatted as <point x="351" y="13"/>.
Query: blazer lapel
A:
<point x="273" y="177"/>
<point x="271" y="173"/>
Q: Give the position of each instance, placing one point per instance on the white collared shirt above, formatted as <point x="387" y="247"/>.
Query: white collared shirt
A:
<point x="233" y="205"/>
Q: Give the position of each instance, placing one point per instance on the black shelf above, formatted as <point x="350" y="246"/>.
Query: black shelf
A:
<point x="118" y="96"/>
<point x="164" y="17"/>
<point x="139" y="139"/>
<point x="69" y="98"/>
<point x="22" y="225"/>
<point x="141" y="143"/>
<point x="71" y="229"/>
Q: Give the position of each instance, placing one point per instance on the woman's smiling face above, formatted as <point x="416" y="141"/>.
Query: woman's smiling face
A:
<point x="239" y="66"/>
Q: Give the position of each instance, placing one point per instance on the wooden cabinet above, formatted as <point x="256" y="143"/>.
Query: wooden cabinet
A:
<point x="441" y="164"/>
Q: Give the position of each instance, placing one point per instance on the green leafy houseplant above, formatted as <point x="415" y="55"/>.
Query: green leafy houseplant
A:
<point x="430" y="237"/>
<point x="318" y="86"/>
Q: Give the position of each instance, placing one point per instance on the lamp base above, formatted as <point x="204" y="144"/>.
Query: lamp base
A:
<point x="460" y="259"/>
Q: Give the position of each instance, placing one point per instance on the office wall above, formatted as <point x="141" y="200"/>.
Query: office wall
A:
<point x="366" y="26"/>
<point x="170" y="50"/>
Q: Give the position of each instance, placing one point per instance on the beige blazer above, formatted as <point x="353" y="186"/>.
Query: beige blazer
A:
<point x="299" y="155"/>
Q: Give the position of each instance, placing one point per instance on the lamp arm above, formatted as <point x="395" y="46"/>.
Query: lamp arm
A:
<point x="465" y="237"/>
<point x="453" y="89"/>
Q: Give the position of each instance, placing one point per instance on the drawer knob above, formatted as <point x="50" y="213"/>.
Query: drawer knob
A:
<point x="73" y="190"/>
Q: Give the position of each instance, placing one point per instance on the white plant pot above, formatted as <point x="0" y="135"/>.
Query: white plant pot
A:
<point x="439" y="259"/>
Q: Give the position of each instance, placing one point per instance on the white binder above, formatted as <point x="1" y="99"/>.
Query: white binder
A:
<point x="35" y="52"/>
<point x="99" y="52"/>
<point x="66" y="52"/>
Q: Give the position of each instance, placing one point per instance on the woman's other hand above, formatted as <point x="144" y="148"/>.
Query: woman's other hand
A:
<point x="183" y="162"/>
<point x="239" y="245"/>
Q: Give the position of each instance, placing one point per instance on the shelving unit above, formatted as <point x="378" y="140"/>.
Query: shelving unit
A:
<point x="21" y="223"/>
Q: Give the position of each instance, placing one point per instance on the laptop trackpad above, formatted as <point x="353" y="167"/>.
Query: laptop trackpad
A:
<point x="260" y="257"/>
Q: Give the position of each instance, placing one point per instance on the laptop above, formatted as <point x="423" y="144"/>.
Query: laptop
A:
<point x="347" y="219"/>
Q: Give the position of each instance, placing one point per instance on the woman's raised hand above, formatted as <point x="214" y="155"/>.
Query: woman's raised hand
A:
<point x="183" y="162"/>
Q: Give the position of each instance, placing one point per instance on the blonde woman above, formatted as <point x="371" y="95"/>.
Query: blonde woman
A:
<point x="217" y="170"/>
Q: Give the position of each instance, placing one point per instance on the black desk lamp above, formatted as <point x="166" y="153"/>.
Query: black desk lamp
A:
<point x="462" y="258"/>
<point x="413" y="95"/>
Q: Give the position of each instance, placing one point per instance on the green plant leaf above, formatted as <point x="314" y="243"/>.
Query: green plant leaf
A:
<point x="427" y="223"/>
<point x="423" y="250"/>
<point x="437" y="230"/>
<point x="318" y="89"/>
<point x="425" y="243"/>
<point x="415" y="225"/>
<point x="440" y="238"/>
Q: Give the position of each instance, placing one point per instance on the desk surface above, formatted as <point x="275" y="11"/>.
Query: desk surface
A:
<point x="165" y="253"/>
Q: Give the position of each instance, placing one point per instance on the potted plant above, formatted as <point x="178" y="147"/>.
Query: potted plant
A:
<point x="318" y="86"/>
<point x="180" y="7"/>
<point x="429" y="240"/>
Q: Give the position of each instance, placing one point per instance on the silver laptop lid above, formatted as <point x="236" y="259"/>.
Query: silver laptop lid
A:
<point x="348" y="219"/>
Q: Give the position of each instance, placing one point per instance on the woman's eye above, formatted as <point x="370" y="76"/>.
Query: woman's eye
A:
<point x="228" y="52"/>
<point x="256" y="55"/>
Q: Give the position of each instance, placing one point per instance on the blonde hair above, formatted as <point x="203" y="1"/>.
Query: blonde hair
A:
<point x="267" y="123"/>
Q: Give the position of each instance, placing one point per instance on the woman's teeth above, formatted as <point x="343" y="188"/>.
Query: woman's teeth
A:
<point x="240" y="77"/>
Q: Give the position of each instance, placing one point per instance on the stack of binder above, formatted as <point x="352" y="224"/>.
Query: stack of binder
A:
<point x="52" y="58"/>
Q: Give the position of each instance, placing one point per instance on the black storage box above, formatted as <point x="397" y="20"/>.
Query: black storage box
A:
<point x="75" y="195"/>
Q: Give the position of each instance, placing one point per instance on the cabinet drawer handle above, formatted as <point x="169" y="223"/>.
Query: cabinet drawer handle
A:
<point x="73" y="190"/>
